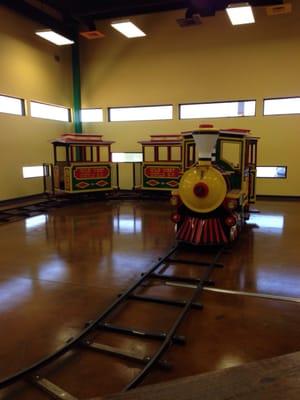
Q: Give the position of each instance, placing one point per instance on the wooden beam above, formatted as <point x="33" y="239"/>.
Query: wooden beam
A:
<point x="276" y="378"/>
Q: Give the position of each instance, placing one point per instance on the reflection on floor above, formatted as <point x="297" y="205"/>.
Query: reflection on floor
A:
<point x="59" y="270"/>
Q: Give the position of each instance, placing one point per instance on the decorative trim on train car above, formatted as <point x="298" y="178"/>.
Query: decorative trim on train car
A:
<point x="87" y="178"/>
<point x="162" y="177"/>
<point x="91" y="172"/>
<point x="82" y="185"/>
<point x="161" y="172"/>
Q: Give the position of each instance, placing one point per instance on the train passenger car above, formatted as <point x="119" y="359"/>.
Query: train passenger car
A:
<point x="214" y="195"/>
<point x="82" y="164"/>
<point x="162" y="162"/>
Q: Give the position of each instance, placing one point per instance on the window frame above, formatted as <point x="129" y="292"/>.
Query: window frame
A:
<point x="141" y="106"/>
<point x="217" y="102"/>
<point x="22" y="102"/>
<point x="272" y="177"/>
<point x="92" y="108"/>
<point x="32" y="166"/>
<point x="51" y="105"/>
<point x="279" y="98"/>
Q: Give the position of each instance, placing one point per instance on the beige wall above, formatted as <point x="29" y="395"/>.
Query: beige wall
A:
<point x="29" y="69"/>
<point x="211" y="62"/>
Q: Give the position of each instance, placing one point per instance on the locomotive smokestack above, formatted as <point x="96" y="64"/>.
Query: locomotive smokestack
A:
<point x="205" y="140"/>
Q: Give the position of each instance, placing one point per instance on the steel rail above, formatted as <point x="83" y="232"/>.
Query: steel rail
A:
<point x="267" y="296"/>
<point x="258" y="295"/>
<point x="168" y="339"/>
<point x="76" y="340"/>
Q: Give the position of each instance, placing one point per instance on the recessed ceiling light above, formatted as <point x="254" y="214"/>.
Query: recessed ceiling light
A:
<point x="128" y="29"/>
<point x="54" y="37"/>
<point x="240" y="13"/>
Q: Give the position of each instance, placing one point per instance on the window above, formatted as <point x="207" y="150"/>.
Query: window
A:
<point x="218" y="110"/>
<point x="191" y="154"/>
<point x="282" y="106"/>
<point x="35" y="171"/>
<point x="104" y="153"/>
<point x="271" y="172"/>
<point x="92" y="115"/>
<point x="231" y="153"/>
<point x="127" y="157"/>
<point x="149" y="153"/>
<point x="175" y="153"/>
<point x="163" y="153"/>
<point x="147" y="113"/>
<point x="42" y="110"/>
<point x="12" y="105"/>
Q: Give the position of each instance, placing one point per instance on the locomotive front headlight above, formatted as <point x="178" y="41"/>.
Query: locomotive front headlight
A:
<point x="175" y="217"/>
<point x="230" y="221"/>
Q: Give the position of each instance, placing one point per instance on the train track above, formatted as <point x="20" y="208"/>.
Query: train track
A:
<point x="32" y="208"/>
<point x="84" y="340"/>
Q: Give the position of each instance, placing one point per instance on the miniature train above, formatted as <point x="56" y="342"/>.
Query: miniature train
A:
<point x="82" y="164"/>
<point x="211" y="174"/>
<point x="214" y="194"/>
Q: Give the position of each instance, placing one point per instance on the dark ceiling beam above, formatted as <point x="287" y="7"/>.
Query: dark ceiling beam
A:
<point x="76" y="13"/>
<point x="258" y="3"/>
<point x="25" y="9"/>
<point x="108" y="9"/>
<point x="207" y="8"/>
<point x="45" y="8"/>
<point x="65" y="8"/>
<point x="59" y="5"/>
<point x="113" y="9"/>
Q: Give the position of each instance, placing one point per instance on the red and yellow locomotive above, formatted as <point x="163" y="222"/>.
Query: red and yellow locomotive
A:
<point x="213" y="198"/>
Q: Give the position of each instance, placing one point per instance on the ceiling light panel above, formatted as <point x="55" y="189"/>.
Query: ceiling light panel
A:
<point x="240" y="14"/>
<point x="128" y="29"/>
<point x="54" y="37"/>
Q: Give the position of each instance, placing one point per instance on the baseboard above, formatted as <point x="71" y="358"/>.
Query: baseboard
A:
<point x="277" y="197"/>
<point x="21" y="199"/>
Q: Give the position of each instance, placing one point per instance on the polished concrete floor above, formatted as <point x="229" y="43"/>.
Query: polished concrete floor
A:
<point x="60" y="270"/>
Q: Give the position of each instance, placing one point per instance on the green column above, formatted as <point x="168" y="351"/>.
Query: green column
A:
<point x="76" y="87"/>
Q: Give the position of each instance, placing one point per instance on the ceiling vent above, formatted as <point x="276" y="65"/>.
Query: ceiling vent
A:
<point x="285" y="8"/>
<point x="195" y="19"/>
<point x="92" y="35"/>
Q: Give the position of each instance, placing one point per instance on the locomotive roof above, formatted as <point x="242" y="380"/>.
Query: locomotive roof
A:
<point x="235" y="132"/>
<point x="169" y="139"/>
<point x="231" y="132"/>
<point x="75" y="138"/>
